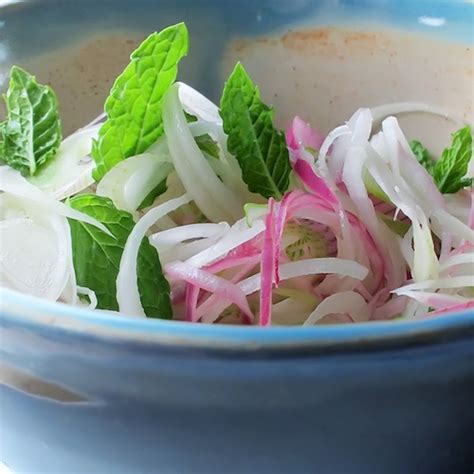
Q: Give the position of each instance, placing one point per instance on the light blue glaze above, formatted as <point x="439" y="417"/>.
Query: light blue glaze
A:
<point x="167" y="397"/>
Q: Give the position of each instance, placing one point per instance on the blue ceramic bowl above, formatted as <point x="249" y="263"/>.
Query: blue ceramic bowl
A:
<point x="87" y="393"/>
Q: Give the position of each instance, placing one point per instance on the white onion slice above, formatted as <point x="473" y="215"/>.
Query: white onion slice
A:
<point x="433" y="300"/>
<point x="82" y="290"/>
<point x="290" y="312"/>
<point x="290" y="270"/>
<point x="311" y="266"/>
<point x="346" y="302"/>
<point x="459" y="205"/>
<point x="211" y="195"/>
<point x="237" y="235"/>
<point x="130" y="181"/>
<point x="185" y="251"/>
<point x="169" y="238"/>
<point x="445" y="283"/>
<point x="12" y="182"/>
<point x="34" y="254"/>
<point x="459" y="259"/>
<point x="71" y="170"/>
<point x="321" y="164"/>
<point x="197" y="104"/>
<point x="171" y="244"/>
<point x="128" y="297"/>
<point x="442" y="221"/>
<point x="69" y="294"/>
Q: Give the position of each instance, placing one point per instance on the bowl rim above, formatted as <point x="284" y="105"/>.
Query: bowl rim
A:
<point x="21" y="310"/>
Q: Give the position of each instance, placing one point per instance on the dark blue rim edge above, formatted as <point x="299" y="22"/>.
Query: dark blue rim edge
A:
<point x="16" y="308"/>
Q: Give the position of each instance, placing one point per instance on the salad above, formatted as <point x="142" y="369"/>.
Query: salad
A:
<point x="169" y="206"/>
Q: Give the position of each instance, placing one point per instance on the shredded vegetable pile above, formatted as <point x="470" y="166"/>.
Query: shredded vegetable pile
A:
<point x="169" y="206"/>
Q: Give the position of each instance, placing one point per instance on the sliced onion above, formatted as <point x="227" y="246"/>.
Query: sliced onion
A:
<point x="168" y="238"/>
<point x="185" y="251"/>
<point x="238" y="234"/>
<point x="435" y="300"/>
<point x="12" y="182"/>
<point x="290" y="312"/>
<point x="268" y="272"/>
<point x="212" y="283"/>
<point x="425" y="261"/>
<point x="130" y="181"/>
<point x="312" y="181"/>
<point x="212" y="197"/>
<point x="171" y="244"/>
<point x="82" y="290"/>
<point x="322" y="167"/>
<point x="460" y="206"/>
<point x="197" y="104"/>
<point x="192" y="295"/>
<point x="71" y="170"/>
<point x="300" y="134"/>
<point x="361" y="126"/>
<point x="128" y="296"/>
<point x="459" y="259"/>
<point x="314" y="266"/>
<point x="452" y="282"/>
<point x="442" y="221"/>
<point x="353" y="178"/>
<point x="404" y="163"/>
<point x="347" y="302"/>
<point x="311" y="266"/>
<point x="70" y="292"/>
<point x="394" y="307"/>
<point x="454" y="308"/>
<point x="35" y="252"/>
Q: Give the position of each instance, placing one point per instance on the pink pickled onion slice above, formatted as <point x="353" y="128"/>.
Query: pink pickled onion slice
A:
<point x="298" y="136"/>
<point x="231" y="262"/>
<point x="471" y="213"/>
<point x="281" y="217"/>
<point x="391" y="308"/>
<point x="312" y="181"/>
<point x="301" y="134"/>
<point x="212" y="283"/>
<point x="192" y="295"/>
<point x="267" y="267"/>
<point x="454" y="308"/>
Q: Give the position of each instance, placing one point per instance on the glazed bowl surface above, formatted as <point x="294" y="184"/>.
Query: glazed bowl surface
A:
<point x="84" y="392"/>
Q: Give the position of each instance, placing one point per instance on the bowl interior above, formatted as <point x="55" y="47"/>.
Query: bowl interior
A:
<point x="318" y="59"/>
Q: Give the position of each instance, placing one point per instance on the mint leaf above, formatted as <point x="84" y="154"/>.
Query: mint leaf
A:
<point x="399" y="227"/>
<point x="205" y="142"/>
<point x="97" y="257"/>
<point x="423" y="156"/>
<point x="207" y="145"/>
<point x="259" y="148"/>
<point x="2" y="138"/>
<point x="134" y="106"/>
<point x="373" y="188"/>
<point x="450" y="170"/>
<point x="32" y="131"/>
<point x="158" y="190"/>
<point x="190" y="118"/>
